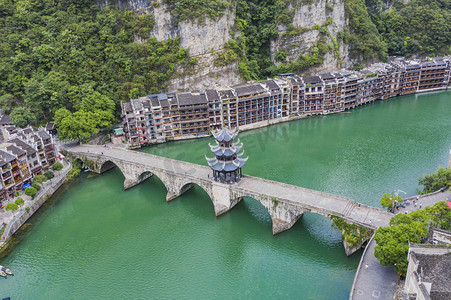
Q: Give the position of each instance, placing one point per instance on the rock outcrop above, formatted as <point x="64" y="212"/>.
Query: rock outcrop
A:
<point x="310" y="21"/>
<point x="205" y="38"/>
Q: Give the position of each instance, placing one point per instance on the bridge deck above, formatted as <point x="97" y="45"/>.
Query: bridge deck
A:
<point x="316" y="201"/>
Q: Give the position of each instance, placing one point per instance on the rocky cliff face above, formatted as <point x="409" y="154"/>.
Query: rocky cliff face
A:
<point x="312" y="23"/>
<point x="202" y="38"/>
<point x="205" y="38"/>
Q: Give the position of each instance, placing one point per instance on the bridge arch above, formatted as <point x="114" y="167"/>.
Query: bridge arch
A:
<point x="283" y="215"/>
<point x="188" y="185"/>
<point x="256" y="209"/>
<point x="108" y="165"/>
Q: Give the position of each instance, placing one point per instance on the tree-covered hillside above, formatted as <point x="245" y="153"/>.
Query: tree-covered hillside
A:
<point x="59" y="54"/>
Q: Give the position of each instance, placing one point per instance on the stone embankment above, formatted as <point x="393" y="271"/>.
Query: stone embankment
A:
<point x="23" y="215"/>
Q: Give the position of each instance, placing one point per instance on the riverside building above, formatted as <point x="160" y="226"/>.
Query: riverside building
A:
<point x="24" y="153"/>
<point x="174" y="116"/>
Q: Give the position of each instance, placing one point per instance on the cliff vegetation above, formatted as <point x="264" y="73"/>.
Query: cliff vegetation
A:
<point x="61" y="54"/>
<point x="54" y="54"/>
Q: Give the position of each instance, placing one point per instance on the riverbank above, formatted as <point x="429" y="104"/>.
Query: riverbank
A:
<point x="15" y="220"/>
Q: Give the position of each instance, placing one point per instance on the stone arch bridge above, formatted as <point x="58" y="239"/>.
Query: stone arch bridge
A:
<point x="285" y="203"/>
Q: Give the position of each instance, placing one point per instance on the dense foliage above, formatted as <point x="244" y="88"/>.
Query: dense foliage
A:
<point x="57" y="166"/>
<point x="257" y="22"/>
<point x="49" y="174"/>
<point x="387" y="200"/>
<point x="364" y="37"/>
<point x="31" y="191"/>
<point x="197" y="9"/>
<point x="55" y="54"/>
<point x="11" y="206"/>
<point x="393" y="241"/>
<point x="19" y="201"/>
<point x="421" y="26"/>
<point x="39" y="179"/>
<point x="436" y="181"/>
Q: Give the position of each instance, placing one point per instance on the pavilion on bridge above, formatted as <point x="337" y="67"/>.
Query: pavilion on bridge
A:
<point x="227" y="163"/>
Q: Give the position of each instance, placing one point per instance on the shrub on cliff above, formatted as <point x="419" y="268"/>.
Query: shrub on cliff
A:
<point x="73" y="173"/>
<point x="57" y="166"/>
<point x="31" y="191"/>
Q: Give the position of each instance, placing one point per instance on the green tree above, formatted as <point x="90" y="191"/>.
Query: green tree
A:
<point x="36" y="186"/>
<point x="22" y="117"/>
<point x="11" y="206"/>
<point x="30" y="191"/>
<point x="49" y="174"/>
<point x="40" y="179"/>
<point x="434" y="182"/>
<point x="7" y="103"/>
<point x="387" y="200"/>
<point x="57" y="166"/>
<point x="393" y="245"/>
<point x="19" y="201"/>
<point x="79" y="126"/>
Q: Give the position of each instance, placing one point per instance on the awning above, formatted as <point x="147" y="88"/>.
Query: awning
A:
<point x="25" y="186"/>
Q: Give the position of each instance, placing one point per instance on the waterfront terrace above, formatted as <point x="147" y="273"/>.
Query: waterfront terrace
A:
<point x="164" y="117"/>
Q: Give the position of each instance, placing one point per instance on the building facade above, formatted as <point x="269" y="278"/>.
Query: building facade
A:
<point x="165" y="117"/>
<point x="24" y="153"/>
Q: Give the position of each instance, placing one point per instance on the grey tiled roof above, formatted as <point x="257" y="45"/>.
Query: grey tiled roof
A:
<point x="212" y="95"/>
<point x="272" y="85"/>
<point x="192" y="99"/>
<point x="312" y="79"/>
<point x="228" y="93"/>
<point x="5" y="158"/>
<point x="249" y="89"/>
<point x="15" y="150"/>
<point x="24" y="146"/>
<point x="44" y="135"/>
<point x="436" y="269"/>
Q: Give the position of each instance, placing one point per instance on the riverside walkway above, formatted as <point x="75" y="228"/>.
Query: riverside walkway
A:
<point x="285" y="203"/>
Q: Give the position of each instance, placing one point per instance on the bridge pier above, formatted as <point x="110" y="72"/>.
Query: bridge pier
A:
<point x="130" y="182"/>
<point x="279" y="225"/>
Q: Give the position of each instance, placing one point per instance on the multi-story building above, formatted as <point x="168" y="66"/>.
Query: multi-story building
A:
<point x="411" y="79"/>
<point x="313" y="96"/>
<point x="194" y="115"/>
<point x="7" y="161"/>
<point x="297" y="87"/>
<point x="32" y="158"/>
<point x="163" y="117"/>
<point x="432" y="75"/>
<point x="214" y="109"/>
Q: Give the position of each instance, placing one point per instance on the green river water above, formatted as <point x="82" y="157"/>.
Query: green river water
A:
<point x="93" y="240"/>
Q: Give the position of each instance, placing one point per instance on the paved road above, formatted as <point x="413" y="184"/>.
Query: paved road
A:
<point x="373" y="281"/>
<point x="316" y="201"/>
<point x="424" y="200"/>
